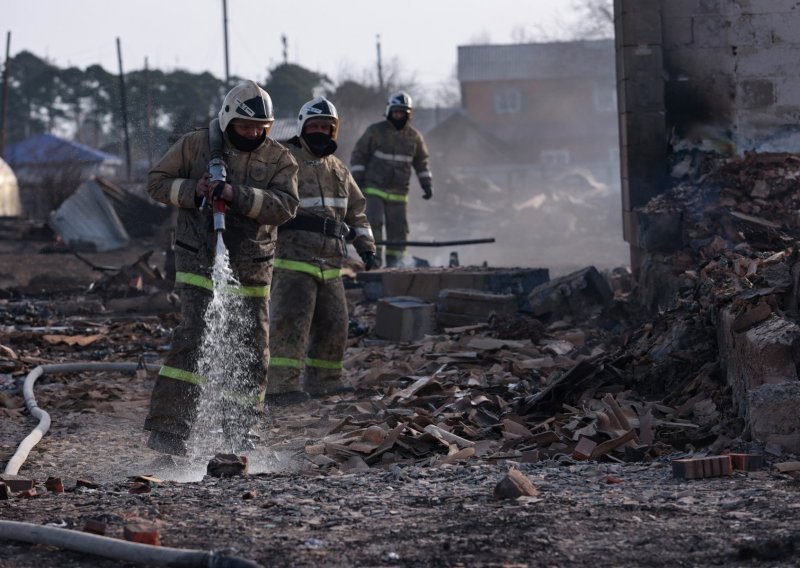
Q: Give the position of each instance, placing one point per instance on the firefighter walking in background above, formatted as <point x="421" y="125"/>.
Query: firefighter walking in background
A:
<point x="309" y="320"/>
<point x="260" y="191"/>
<point x="381" y="164"/>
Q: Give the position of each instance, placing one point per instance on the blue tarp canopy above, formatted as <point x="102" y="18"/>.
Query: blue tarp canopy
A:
<point x="46" y="149"/>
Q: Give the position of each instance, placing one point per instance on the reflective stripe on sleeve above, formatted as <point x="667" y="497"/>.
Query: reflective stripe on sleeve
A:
<point x="357" y="168"/>
<point x="394" y="157"/>
<point x="181" y="375"/>
<point x="385" y="195"/>
<point x="338" y="202"/>
<point x="323" y="364"/>
<point x="425" y="174"/>
<point x="258" y="199"/>
<point x="308" y="268"/>
<point x="395" y="252"/>
<point x="285" y="362"/>
<point x="208" y="284"/>
<point x="364" y="232"/>
<point x="175" y="192"/>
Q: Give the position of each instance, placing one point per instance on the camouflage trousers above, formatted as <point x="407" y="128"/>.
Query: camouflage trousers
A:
<point x="392" y="215"/>
<point x="308" y="329"/>
<point x="175" y="400"/>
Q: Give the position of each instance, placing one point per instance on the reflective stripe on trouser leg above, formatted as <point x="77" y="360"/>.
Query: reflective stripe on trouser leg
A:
<point x="175" y="396"/>
<point x="294" y="297"/>
<point x="375" y="216"/>
<point x="396" y="231"/>
<point x="328" y="340"/>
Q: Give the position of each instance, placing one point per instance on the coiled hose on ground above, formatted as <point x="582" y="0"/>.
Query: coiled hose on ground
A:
<point x="86" y="542"/>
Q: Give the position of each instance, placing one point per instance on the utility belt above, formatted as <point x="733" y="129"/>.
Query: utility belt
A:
<point x="325" y="225"/>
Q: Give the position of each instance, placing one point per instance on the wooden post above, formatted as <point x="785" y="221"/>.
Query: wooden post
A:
<point x="124" y="104"/>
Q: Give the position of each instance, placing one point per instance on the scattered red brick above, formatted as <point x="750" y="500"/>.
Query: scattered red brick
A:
<point x="747" y="462"/>
<point x="95" y="527"/>
<point x="54" y="485"/>
<point x="697" y="468"/>
<point x="144" y="533"/>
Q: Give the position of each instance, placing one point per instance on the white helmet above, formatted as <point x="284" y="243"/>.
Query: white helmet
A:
<point x="247" y="101"/>
<point x="400" y="99"/>
<point x="318" y="108"/>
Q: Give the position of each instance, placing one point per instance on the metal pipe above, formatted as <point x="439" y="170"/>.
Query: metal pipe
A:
<point x="117" y="549"/>
<point x="433" y="243"/>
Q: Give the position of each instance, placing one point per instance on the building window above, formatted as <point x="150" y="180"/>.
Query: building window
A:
<point x="507" y="101"/>
<point x="552" y="158"/>
<point x="605" y="97"/>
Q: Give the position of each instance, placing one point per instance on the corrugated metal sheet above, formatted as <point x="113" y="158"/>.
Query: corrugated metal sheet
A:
<point x="86" y="221"/>
<point x="557" y="60"/>
<point x="140" y="216"/>
<point x="46" y="149"/>
<point x="283" y="129"/>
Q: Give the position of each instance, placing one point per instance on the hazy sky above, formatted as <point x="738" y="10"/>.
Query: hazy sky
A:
<point x="333" y="37"/>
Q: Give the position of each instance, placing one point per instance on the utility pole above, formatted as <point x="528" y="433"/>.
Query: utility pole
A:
<point x="225" y="34"/>
<point x="380" y="64"/>
<point x="124" y="103"/>
<point x="285" y="42"/>
<point x="149" y="126"/>
<point x="4" y="104"/>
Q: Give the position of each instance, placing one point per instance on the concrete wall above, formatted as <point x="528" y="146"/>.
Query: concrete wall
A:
<point x="721" y="75"/>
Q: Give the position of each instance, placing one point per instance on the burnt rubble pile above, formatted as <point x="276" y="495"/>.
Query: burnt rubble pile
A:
<point x="698" y="358"/>
<point x="735" y="266"/>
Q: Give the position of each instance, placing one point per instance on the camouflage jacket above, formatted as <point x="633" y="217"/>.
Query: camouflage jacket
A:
<point x="326" y="189"/>
<point x="265" y="195"/>
<point x="383" y="158"/>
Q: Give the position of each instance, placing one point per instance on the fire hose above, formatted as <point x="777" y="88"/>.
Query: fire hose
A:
<point x="86" y="542"/>
<point x="120" y="549"/>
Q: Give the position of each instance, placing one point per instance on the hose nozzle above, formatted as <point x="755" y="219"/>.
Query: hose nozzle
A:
<point x="219" y="215"/>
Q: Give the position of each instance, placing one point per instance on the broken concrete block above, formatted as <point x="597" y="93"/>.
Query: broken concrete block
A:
<point x="578" y="294"/>
<point x="403" y="318"/>
<point x="764" y="353"/>
<point x="463" y="307"/>
<point x="772" y="415"/>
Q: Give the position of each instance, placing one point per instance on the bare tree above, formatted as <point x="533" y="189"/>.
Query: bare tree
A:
<point x="596" y="19"/>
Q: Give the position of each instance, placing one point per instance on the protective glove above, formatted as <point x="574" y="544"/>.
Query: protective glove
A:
<point x="369" y="259"/>
<point x="427" y="192"/>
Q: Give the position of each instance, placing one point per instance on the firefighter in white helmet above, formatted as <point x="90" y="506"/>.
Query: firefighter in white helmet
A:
<point x="381" y="163"/>
<point x="309" y="320"/>
<point x="260" y="192"/>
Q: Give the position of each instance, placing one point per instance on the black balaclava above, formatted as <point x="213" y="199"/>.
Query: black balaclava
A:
<point x="398" y="124"/>
<point x="244" y="144"/>
<point x="319" y="143"/>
